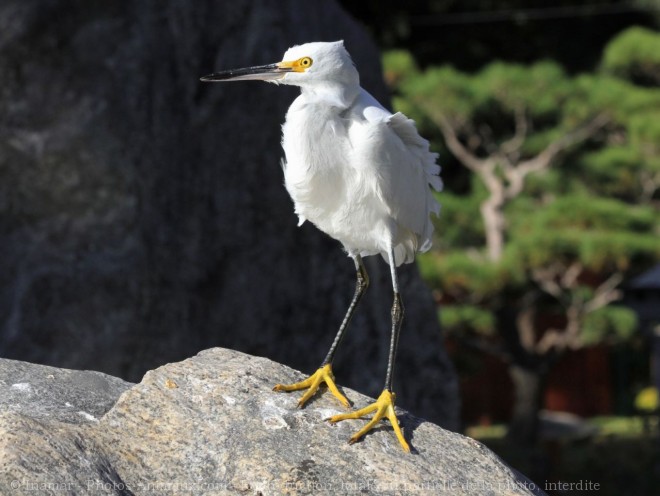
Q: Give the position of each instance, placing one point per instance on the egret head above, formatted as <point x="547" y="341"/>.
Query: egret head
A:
<point x="319" y="62"/>
<point x="320" y="67"/>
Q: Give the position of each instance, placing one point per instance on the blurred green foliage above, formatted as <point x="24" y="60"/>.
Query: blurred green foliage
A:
<point x="612" y="322"/>
<point x="596" y="207"/>
<point x="458" y="317"/>
<point x="634" y="55"/>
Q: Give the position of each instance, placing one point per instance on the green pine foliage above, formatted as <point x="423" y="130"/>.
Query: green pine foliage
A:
<point x="467" y="318"/>
<point x="613" y="323"/>
<point x="634" y="55"/>
<point x="458" y="225"/>
<point x="597" y="207"/>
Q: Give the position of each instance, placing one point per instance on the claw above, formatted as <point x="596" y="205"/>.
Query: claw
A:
<point x="312" y="383"/>
<point x="383" y="407"/>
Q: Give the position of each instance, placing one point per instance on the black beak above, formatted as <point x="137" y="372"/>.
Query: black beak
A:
<point x="261" y="72"/>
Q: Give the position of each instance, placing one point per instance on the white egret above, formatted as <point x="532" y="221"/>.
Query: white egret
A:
<point x="360" y="174"/>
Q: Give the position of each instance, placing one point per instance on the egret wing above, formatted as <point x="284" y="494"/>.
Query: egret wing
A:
<point x="404" y="171"/>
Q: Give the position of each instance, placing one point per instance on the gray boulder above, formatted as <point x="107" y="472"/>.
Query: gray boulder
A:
<point x="53" y="394"/>
<point x="212" y="425"/>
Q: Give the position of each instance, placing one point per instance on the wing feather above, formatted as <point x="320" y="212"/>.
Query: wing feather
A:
<point x="404" y="169"/>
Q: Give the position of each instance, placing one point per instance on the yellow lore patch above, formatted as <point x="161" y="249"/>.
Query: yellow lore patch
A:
<point x="300" y="65"/>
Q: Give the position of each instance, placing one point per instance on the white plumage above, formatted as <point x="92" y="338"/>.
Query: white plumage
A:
<point x="360" y="174"/>
<point x="353" y="169"/>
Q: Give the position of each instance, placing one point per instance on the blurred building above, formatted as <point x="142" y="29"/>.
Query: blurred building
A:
<point x="487" y="391"/>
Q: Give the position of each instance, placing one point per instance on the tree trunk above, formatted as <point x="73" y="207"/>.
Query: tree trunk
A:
<point x="494" y="221"/>
<point x="528" y="386"/>
<point x="144" y="216"/>
<point x="526" y="369"/>
<point x="492" y="209"/>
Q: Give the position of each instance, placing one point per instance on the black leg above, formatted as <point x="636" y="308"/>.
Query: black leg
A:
<point x="361" y="285"/>
<point x="397" y="319"/>
<point x="383" y="407"/>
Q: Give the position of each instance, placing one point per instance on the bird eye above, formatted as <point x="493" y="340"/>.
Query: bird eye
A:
<point x="300" y="65"/>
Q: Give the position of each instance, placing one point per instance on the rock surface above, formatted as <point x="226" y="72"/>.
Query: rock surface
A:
<point x="62" y="395"/>
<point x="212" y="425"/>
<point x="144" y="212"/>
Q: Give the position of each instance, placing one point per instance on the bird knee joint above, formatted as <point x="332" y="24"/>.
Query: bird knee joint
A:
<point x="362" y="281"/>
<point x="397" y="308"/>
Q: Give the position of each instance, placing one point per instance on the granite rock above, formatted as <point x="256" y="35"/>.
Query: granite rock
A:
<point x="212" y="425"/>
<point x="50" y="393"/>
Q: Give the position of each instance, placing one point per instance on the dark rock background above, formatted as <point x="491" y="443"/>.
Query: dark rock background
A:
<point x="142" y="213"/>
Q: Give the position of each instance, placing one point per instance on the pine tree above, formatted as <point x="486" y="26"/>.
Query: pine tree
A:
<point x="558" y="206"/>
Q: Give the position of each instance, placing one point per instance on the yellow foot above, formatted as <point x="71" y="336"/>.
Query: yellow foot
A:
<point x="384" y="407"/>
<point x="312" y="383"/>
